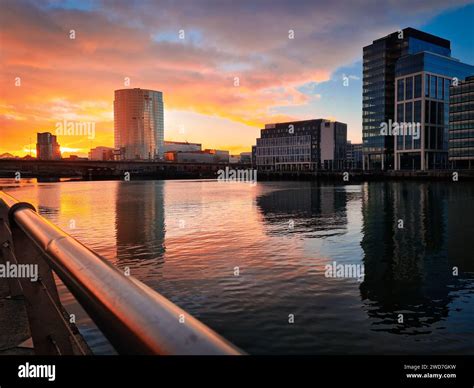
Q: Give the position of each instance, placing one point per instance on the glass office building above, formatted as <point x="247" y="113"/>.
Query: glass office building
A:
<point x="422" y="83"/>
<point x="461" y="124"/>
<point x="139" y="124"/>
<point x="378" y="96"/>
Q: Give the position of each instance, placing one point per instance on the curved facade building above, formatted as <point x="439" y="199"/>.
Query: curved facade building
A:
<point x="139" y="124"/>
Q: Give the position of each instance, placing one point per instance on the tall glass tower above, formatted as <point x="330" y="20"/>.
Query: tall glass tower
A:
<point x="139" y="124"/>
<point x="378" y="95"/>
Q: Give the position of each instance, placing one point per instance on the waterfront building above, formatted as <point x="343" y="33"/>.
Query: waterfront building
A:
<point x="307" y="145"/>
<point x="139" y="124"/>
<point x="422" y="83"/>
<point x="378" y="98"/>
<point x="245" y="158"/>
<point x="101" y="153"/>
<point x="354" y="155"/>
<point x="181" y="146"/>
<point x="461" y="124"/>
<point x="219" y="156"/>
<point x="189" y="157"/>
<point x="47" y="147"/>
<point x="206" y="156"/>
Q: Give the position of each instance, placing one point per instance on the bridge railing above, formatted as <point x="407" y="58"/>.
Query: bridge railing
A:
<point x="133" y="317"/>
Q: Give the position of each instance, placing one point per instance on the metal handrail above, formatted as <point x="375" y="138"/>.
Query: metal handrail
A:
<point x="134" y="318"/>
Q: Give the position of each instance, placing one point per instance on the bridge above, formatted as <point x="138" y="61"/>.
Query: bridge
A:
<point x="134" y="318"/>
<point x="99" y="170"/>
<point x="92" y="169"/>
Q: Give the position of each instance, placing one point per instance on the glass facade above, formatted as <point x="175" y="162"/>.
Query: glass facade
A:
<point x="380" y="90"/>
<point x="416" y="45"/>
<point x="432" y="63"/>
<point x="139" y="124"/>
<point x="430" y="110"/>
<point x="461" y="124"/>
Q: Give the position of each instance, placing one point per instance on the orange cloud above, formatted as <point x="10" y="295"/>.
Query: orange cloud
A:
<point x="235" y="65"/>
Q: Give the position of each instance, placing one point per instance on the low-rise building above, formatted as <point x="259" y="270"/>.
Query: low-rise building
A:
<point x="307" y="145"/>
<point x="220" y="156"/>
<point x="181" y="146"/>
<point x="189" y="157"/>
<point x="246" y="157"/>
<point x="101" y="153"/>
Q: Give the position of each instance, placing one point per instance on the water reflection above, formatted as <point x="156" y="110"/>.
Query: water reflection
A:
<point x="49" y="202"/>
<point x="307" y="208"/>
<point x="408" y="266"/>
<point x="185" y="239"/>
<point x="140" y="227"/>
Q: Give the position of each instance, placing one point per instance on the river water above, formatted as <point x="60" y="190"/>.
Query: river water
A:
<point x="252" y="261"/>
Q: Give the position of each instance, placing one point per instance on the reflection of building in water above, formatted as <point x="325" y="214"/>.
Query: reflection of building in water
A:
<point x="407" y="270"/>
<point x="140" y="225"/>
<point x="49" y="201"/>
<point x="314" y="208"/>
<point x="461" y="227"/>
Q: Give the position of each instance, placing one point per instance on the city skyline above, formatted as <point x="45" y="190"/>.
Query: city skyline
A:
<point x="287" y="180"/>
<point x="204" y="102"/>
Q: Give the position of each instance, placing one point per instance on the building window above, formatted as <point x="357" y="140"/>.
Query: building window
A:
<point x="433" y="80"/>
<point x="433" y="132"/>
<point x="427" y="111"/>
<point x="417" y="112"/>
<point x="427" y="137"/>
<point x="408" y="112"/>
<point x="417" y="86"/>
<point x="417" y="143"/>
<point x="400" y="89"/>
<point x="440" y="119"/>
<point x="409" y="88"/>
<point x="447" y="82"/>
<point x="408" y="142"/>
<point x="400" y="142"/>
<point x="427" y="85"/>
<point x="440" y="88"/>
<point x="400" y="115"/>
<point x="433" y="112"/>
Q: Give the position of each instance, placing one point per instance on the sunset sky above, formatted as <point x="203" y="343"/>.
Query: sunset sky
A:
<point x="47" y="77"/>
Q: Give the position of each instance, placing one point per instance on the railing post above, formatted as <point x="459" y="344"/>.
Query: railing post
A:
<point x="42" y="300"/>
<point x="6" y="247"/>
